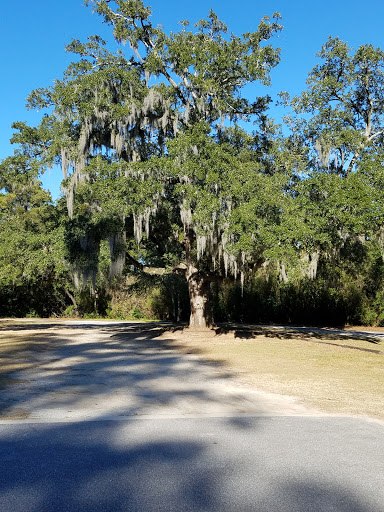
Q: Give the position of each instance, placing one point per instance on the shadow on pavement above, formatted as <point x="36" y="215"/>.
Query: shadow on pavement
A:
<point x="176" y="466"/>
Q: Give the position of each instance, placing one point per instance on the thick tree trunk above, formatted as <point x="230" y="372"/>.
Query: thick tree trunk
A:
<point x="199" y="296"/>
<point x="199" y="287"/>
<point x="117" y="250"/>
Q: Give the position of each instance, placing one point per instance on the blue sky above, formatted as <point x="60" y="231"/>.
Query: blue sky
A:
<point x="33" y="36"/>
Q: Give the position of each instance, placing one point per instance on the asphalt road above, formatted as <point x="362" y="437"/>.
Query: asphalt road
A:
<point x="285" y="464"/>
<point x="114" y="422"/>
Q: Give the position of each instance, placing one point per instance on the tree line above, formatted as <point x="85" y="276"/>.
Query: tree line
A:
<point x="173" y="206"/>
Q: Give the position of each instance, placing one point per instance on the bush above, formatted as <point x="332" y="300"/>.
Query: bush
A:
<point x="149" y="297"/>
<point x="32" y="314"/>
<point x="69" y="312"/>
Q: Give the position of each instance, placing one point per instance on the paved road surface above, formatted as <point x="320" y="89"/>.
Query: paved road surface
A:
<point x="110" y="421"/>
<point x="284" y="464"/>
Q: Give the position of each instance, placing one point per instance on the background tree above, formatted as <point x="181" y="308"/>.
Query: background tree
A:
<point x="340" y="118"/>
<point x="345" y="100"/>
<point x="32" y="271"/>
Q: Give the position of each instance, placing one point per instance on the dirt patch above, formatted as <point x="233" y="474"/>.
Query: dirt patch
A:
<point x="16" y="414"/>
<point x="328" y="371"/>
<point x="18" y="351"/>
<point x="364" y="328"/>
<point x="325" y="371"/>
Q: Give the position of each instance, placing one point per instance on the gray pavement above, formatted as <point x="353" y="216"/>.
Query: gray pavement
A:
<point x="112" y="419"/>
<point x="285" y="464"/>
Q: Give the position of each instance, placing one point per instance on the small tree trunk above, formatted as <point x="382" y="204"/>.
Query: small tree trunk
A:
<point x="199" y="296"/>
<point x="71" y="297"/>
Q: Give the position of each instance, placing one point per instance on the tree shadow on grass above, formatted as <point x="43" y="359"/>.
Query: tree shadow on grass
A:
<point x="317" y="335"/>
<point x="112" y="370"/>
<point x="75" y="366"/>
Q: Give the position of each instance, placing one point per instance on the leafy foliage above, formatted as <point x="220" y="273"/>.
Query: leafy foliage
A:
<point x="161" y="182"/>
<point x="345" y="98"/>
<point x="31" y="264"/>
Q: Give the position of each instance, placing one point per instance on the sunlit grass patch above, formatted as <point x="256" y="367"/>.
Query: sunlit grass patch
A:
<point x="329" y="372"/>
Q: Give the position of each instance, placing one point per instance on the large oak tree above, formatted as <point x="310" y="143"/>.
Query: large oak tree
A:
<point x="150" y="148"/>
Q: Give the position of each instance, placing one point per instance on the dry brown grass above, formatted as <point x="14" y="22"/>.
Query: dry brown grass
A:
<point x="332" y="373"/>
<point x="325" y="371"/>
<point x="17" y="348"/>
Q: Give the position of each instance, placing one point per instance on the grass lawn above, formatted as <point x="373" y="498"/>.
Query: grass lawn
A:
<point x="333" y="373"/>
<point x="330" y="372"/>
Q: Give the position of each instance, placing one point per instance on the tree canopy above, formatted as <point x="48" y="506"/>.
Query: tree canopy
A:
<point x="345" y="98"/>
<point x="158" y="161"/>
<point x="146" y="132"/>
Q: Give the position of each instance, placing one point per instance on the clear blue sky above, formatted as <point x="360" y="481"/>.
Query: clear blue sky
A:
<point x="33" y="35"/>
